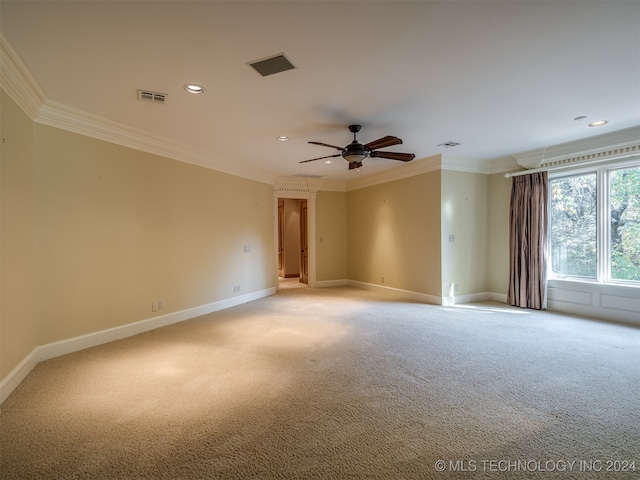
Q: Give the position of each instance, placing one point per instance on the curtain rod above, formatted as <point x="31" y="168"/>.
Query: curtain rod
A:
<point x="571" y="165"/>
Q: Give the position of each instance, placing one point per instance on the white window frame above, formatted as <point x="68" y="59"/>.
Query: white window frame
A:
<point x="603" y="221"/>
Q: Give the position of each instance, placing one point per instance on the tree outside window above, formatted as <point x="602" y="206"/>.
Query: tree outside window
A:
<point x="624" y="212"/>
<point x="578" y="210"/>
<point x="573" y="226"/>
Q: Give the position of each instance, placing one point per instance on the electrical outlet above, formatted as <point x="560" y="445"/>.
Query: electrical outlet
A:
<point x="154" y="306"/>
<point x="236" y="288"/>
<point x="382" y="279"/>
<point x="160" y="304"/>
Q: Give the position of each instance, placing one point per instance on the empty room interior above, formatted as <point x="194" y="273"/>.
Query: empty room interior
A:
<point x="317" y="239"/>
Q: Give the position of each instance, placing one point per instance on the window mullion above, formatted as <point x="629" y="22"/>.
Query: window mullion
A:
<point x="603" y="221"/>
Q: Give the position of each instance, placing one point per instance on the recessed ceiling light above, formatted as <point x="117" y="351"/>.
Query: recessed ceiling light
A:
<point x="328" y="162"/>
<point x="580" y="118"/>
<point x="283" y="138"/>
<point x="599" y="123"/>
<point x="194" y="89"/>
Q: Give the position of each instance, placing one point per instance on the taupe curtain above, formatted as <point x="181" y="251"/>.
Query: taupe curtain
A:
<point x="528" y="241"/>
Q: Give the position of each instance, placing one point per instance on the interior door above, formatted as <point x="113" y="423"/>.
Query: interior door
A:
<point x="304" y="243"/>
<point x="280" y="238"/>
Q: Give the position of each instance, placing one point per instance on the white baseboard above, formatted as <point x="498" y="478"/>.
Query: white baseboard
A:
<point x="420" y="297"/>
<point x="432" y="299"/>
<point x="18" y="374"/>
<point x="497" y="297"/>
<point x="331" y="283"/>
<point x="56" y="349"/>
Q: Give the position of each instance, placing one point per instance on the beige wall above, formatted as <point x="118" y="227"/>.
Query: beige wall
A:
<point x="102" y="231"/>
<point x="394" y="232"/>
<point x="464" y="216"/>
<point x="19" y="328"/>
<point x="93" y="233"/>
<point x="498" y="224"/>
<point x="331" y="236"/>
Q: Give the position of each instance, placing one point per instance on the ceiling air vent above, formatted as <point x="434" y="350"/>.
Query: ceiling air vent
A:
<point x="149" y="96"/>
<point x="448" y="144"/>
<point x="307" y="175"/>
<point x="274" y="64"/>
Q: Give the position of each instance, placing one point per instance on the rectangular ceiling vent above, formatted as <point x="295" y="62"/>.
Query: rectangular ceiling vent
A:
<point x="307" y="175"/>
<point x="448" y="144"/>
<point x="271" y="65"/>
<point x="149" y="96"/>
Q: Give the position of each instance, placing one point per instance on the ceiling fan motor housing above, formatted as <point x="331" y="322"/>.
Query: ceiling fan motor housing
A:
<point x="355" y="152"/>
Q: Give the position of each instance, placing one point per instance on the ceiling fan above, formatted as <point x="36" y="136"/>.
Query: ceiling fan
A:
<point x="355" y="152"/>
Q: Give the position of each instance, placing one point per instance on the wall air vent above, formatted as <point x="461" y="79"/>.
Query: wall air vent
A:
<point x="270" y="65"/>
<point x="149" y="96"/>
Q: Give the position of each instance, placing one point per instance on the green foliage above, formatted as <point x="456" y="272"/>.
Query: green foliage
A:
<point x="573" y="225"/>
<point x="624" y="188"/>
<point x="574" y="217"/>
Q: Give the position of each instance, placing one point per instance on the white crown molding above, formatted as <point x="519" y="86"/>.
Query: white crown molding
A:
<point x="418" y="167"/>
<point x="17" y="81"/>
<point x="586" y="147"/>
<point x="502" y="165"/>
<point x="22" y="88"/>
<point x="76" y="121"/>
<point x="464" y="165"/>
<point x="307" y="185"/>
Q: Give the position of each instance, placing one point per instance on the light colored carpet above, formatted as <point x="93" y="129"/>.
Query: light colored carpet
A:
<point x="337" y="383"/>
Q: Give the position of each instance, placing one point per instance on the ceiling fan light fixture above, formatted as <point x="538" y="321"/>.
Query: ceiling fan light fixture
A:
<point x="355" y="157"/>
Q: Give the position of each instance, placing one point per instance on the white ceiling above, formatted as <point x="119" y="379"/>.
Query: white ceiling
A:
<point x="498" y="77"/>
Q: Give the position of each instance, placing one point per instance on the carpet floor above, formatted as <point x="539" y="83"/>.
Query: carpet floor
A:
<point x="337" y="383"/>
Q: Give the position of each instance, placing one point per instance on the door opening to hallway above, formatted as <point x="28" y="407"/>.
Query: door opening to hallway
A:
<point x="293" y="249"/>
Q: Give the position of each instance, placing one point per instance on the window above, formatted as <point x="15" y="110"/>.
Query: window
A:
<point x="595" y="224"/>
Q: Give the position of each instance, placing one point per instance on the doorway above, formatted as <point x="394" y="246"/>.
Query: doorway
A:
<point x="293" y="242"/>
<point x="304" y="243"/>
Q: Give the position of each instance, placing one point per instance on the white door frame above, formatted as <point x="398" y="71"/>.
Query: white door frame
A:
<point x="302" y="192"/>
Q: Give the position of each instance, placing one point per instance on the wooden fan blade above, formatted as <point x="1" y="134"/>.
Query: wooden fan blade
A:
<point x="403" y="157"/>
<point x="383" y="142"/>
<point x="342" y="149"/>
<point x="320" y="158"/>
